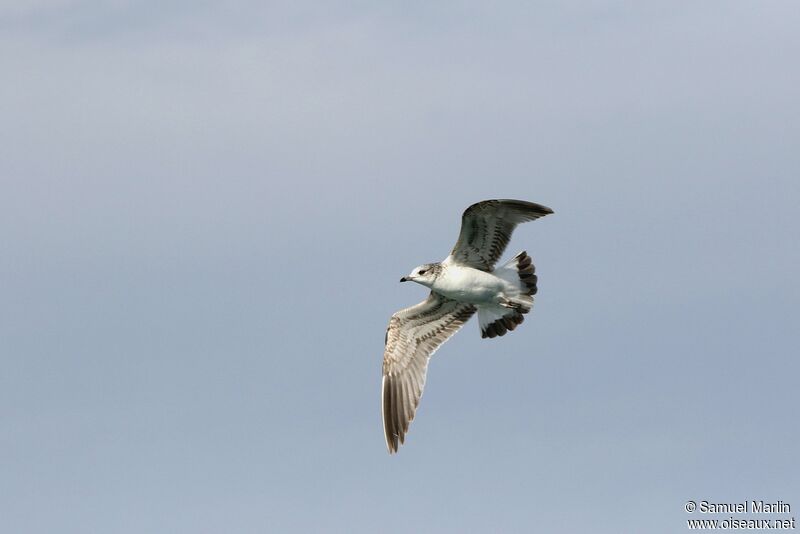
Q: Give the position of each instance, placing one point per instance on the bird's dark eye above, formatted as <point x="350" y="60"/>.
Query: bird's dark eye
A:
<point x="421" y="272"/>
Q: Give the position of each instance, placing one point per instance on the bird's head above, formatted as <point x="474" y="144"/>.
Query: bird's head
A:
<point x="424" y="274"/>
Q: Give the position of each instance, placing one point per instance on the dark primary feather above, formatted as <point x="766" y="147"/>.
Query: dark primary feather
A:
<point x="413" y="336"/>
<point x="486" y="229"/>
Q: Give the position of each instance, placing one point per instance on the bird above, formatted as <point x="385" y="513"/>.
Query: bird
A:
<point x="463" y="283"/>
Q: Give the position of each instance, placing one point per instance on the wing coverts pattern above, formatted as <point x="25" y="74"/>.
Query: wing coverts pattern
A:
<point x="413" y="336"/>
<point x="486" y="229"/>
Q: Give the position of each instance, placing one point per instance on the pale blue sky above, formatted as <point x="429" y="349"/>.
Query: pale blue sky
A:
<point x="205" y="209"/>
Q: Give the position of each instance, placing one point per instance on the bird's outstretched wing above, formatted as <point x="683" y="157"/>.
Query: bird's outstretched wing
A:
<point x="486" y="228"/>
<point x="413" y="336"/>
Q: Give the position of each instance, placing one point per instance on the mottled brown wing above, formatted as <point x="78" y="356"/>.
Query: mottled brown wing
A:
<point x="413" y="336"/>
<point x="486" y="228"/>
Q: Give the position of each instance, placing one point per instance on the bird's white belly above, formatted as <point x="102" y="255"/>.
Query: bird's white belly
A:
<point x="466" y="284"/>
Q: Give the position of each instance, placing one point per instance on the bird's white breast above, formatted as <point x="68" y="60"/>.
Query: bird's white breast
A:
<point x="466" y="284"/>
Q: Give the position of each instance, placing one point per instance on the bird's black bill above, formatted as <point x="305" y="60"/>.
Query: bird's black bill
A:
<point x="404" y="279"/>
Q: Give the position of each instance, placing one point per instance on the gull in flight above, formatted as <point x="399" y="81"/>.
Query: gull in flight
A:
<point x="465" y="282"/>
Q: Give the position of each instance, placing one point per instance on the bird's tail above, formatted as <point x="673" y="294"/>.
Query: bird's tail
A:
<point x="519" y="272"/>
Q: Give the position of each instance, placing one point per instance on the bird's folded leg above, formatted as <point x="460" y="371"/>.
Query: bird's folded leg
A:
<point x="505" y="303"/>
